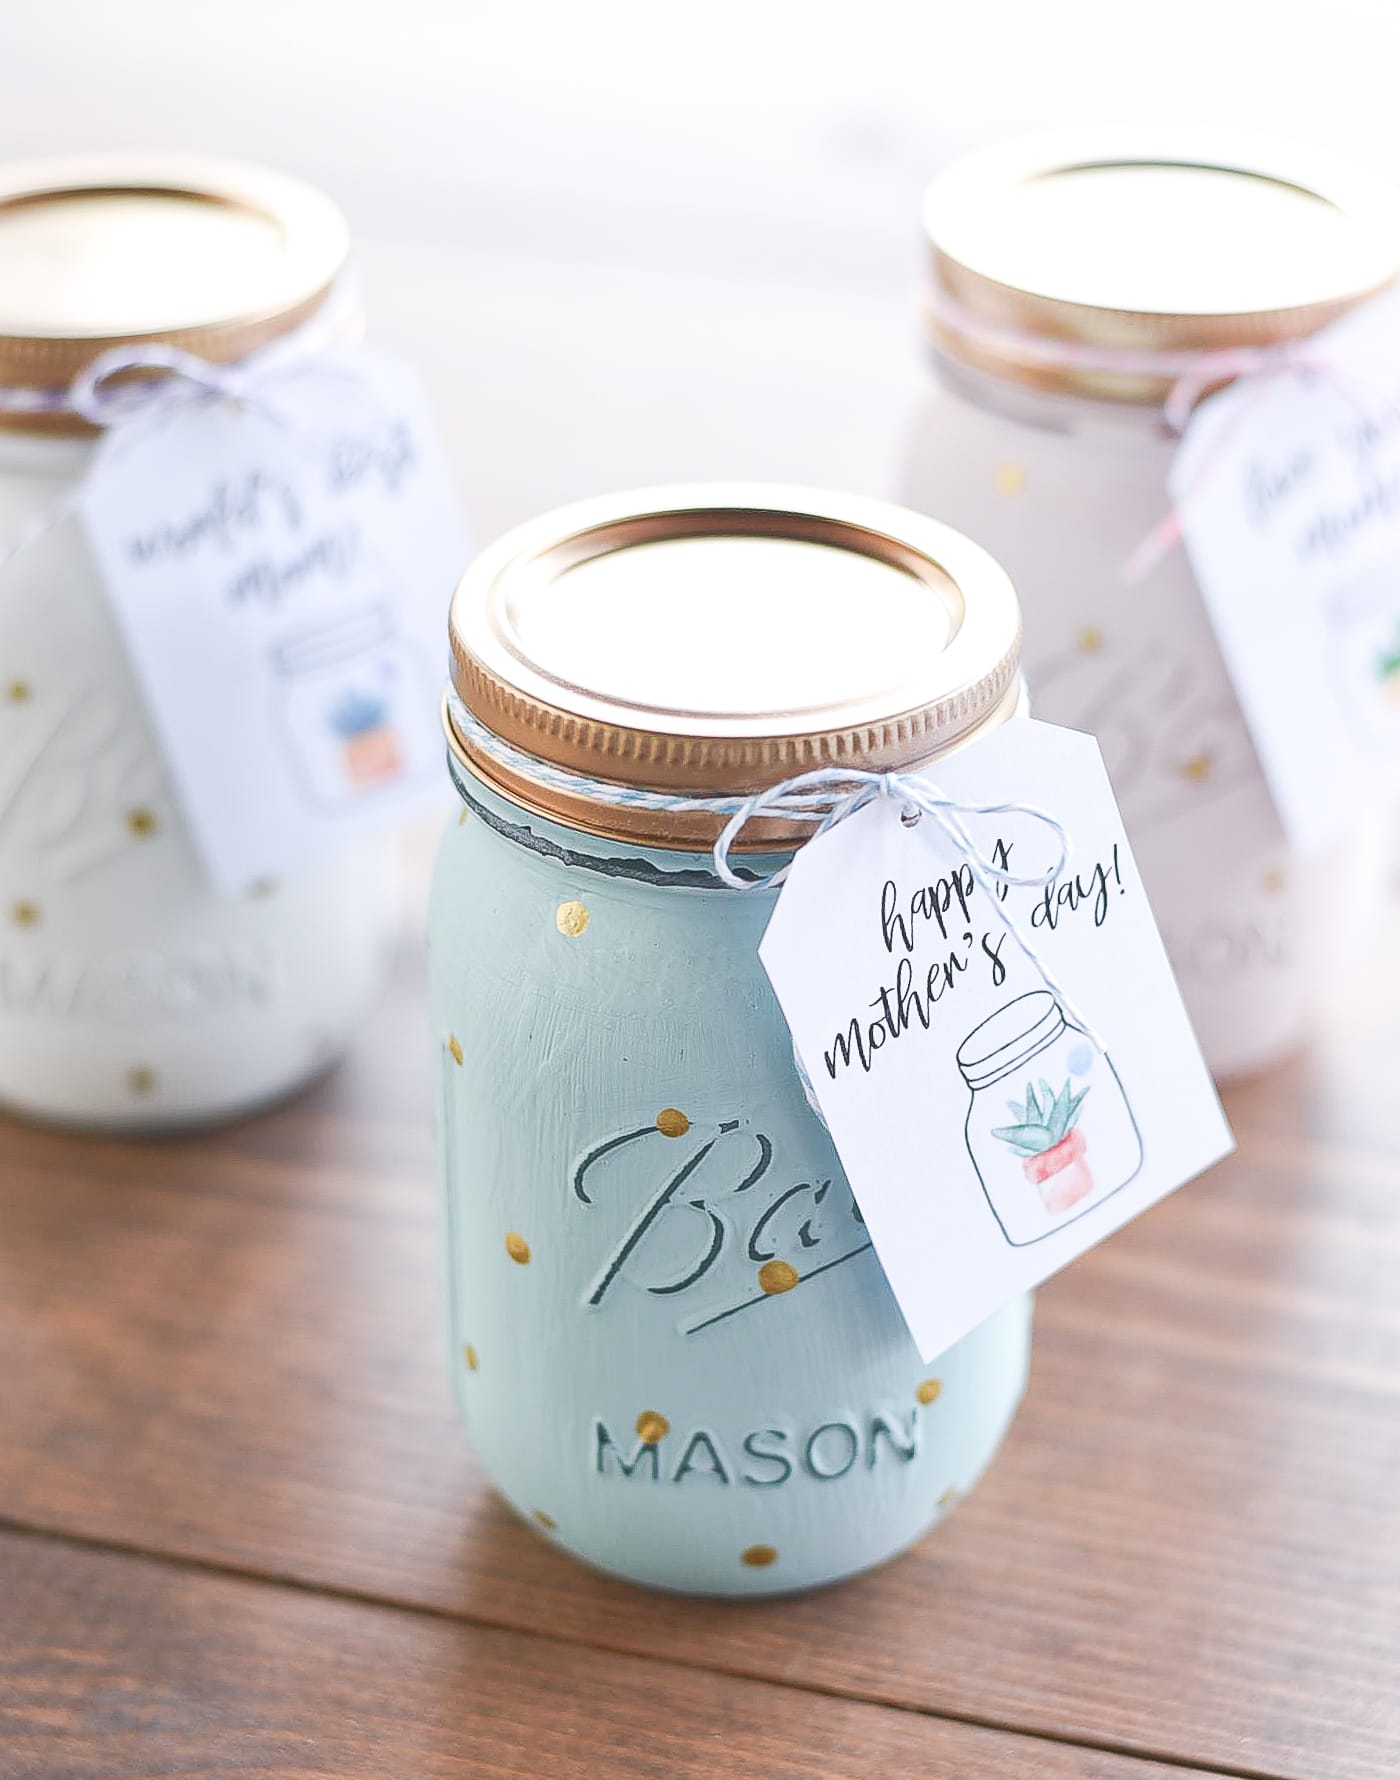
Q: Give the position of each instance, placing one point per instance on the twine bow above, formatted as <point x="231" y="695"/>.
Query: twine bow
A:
<point x="107" y="395"/>
<point x="825" y="796"/>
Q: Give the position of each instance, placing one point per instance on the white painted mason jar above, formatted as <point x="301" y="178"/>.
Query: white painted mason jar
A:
<point x="1065" y="242"/>
<point x="133" y="996"/>
<point x="674" y="1348"/>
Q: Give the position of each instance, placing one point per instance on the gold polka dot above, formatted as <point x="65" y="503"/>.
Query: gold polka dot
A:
<point x="547" y="1521"/>
<point x="25" y="914"/>
<point x="469" y="1355"/>
<point x="1276" y="880"/>
<point x="19" y="692"/>
<point x="949" y="1497"/>
<point x="571" y="918"/>
<point x="141" y="822"/>
<point x="929" y="1390"/>
<point x="1198" y="768"/>
<point x="262" y="887"/>
<point x="141" y="1080"/>
<point x="517" y="1247"/>
<point x="758" y="1557"/>
<point x="671" y="1123"/>
<point x="454" y="1046"/>
<point x="1010" y="479"/>
<point x="777" y="1276"/>
<point x="652" y="1426"/>
<point x="462" y="817"/>
<point x="1090" y="640"/>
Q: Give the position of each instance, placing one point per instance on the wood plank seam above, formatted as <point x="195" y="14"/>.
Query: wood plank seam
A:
<point x="366" y="1598"/>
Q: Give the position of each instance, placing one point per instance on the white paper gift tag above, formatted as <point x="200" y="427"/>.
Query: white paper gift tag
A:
<point x="995" y="1116"/>
<point x="280" y="571"/>
<point x="1288" y="490"/>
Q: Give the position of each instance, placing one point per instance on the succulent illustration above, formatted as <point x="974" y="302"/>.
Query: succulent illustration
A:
<point x="1388" y="661"/>
<point x="357" y="713"/>
<point x="1043" y="1121"/>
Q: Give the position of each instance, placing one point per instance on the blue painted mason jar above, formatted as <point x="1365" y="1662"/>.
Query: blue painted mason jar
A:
<point x="672" y="1342"/>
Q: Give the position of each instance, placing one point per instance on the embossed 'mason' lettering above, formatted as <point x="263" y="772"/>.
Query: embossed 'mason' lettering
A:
<point x="138" y="985"/>
<point x="768" y="1457"/>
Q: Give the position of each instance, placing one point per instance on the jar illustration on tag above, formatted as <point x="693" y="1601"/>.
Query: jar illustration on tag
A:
<point x="1050" y="1131"/>
<point x="350" y="694"/>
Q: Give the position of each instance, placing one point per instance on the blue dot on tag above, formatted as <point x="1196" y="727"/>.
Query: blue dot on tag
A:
<point x="1081" y="1059"/>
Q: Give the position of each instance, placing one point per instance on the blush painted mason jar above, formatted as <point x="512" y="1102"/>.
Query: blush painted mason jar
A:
<point x="134" y="996"/>
<point x="673" y="1346"/>
<point x="1045" y="246"/>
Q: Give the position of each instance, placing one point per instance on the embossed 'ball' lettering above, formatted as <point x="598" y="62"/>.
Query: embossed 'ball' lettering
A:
<point x="777" y="1276"/>
<point x="517" y="1247"/>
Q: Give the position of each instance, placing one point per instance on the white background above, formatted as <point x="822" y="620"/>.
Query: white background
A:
<point x="632" y="243"/>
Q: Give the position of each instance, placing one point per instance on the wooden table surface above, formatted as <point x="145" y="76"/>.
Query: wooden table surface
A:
<point x="241" y="1530"/>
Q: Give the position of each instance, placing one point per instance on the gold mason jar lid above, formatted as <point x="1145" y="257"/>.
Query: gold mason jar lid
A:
<point x="216" y="256"/>
<point x="714" y="639"/>
<point x="1205" y="243"/>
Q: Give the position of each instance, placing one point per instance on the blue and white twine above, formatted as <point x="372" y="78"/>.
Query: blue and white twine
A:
<point x="824" y="797"/>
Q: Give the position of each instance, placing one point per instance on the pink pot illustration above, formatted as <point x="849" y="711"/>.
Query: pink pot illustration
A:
<point x="1061" y="1173"/>
<point x="372" y="756"/>
<point x="1047" y="1139"/>
<point x="368" y="743"/>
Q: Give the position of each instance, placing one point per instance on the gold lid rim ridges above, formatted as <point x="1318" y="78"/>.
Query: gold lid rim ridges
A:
<point x="959" y="285"/>
<point x="713" y="754"/>
<point x="313" y="230"/>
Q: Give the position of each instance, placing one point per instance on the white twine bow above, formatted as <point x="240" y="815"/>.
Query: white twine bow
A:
<point x="830" y="794"/>
<point x="107" y="395"/>
<point x="1190" y="375"/>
